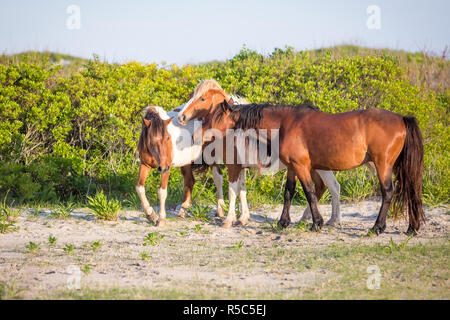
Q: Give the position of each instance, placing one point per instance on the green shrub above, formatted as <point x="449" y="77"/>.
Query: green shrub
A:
<point x="66" y="131"/>
<point x="102" y="207"/>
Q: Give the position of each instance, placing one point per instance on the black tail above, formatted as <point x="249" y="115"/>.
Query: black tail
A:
<point x="408" y="170"/>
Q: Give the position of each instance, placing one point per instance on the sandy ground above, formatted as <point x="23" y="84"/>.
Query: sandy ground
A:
<point x="186" y="254"/>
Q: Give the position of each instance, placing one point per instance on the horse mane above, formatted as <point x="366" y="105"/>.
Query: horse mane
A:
<point x="206" y="85"/>
<point x="156" y="128"/>
<point x="248" y="116"/>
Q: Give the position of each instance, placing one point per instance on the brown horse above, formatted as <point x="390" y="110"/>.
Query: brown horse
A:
<point x="205" y="97"/>
<point x="311" y="139"/>
<point x="158" y="148"/>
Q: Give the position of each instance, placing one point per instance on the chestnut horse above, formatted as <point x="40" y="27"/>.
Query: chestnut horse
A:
<point x="163" y="144"/>
<point x="311" y="139"/>
<point x="205" y="97"/>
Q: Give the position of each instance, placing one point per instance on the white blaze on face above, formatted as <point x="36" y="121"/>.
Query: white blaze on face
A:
<point x="183" y="110"/>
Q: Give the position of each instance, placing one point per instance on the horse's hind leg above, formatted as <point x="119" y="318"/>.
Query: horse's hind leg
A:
<point x="320" y="190"/>
<point x="233" y="189"/>
<point x="335" y="189"/>
<point x="245" y="213"/>
<point x="162" y="194"/>
<point x="218" y="181"/>
<point x="387" y="191"/>
<point x="289" y="191"/>
<point x="304" y="175"/>
<point x="140" y="189"/>
<point x="188" y="178"/>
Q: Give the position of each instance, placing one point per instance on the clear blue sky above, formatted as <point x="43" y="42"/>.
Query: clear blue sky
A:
<point x="194" y="31"/>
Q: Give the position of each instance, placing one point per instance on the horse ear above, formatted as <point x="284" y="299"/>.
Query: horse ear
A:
<point x="225" y="106"/>
<point x="146" y="122"/>
<point x="166" y="122"/>
<point x="231" y="101"/>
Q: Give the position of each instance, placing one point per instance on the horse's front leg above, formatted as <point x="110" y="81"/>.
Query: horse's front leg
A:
<point x="218" y="181"/>
<point x="162" y="194"/>
<point x="289" y="191"/>
<point x="233" y="189"/>
<point x="140" y="189"/>
<point x="188" y="178"/>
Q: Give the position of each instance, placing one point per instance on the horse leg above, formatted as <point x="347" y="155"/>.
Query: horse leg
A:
<point x="140" y="189"/>
<point x="304" y="175"/>
<point x="335" y="189"/>
<point x="320" y="190"/>
<point x="218" y="181"/>
<point x="289" y="191"/>
<point x="162" y="194"/>
<point x="245" y="214"/>
<point x="188" y="178"/>
<point x="387" y="191"/>
<point x="233" y="189"/>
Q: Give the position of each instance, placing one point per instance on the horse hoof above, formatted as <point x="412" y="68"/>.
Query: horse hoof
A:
<point x="283" y="223"/>
<point x="411" y="232"/>
<point x="227" y="225"/>
<point x="241" y="223"/>
<point x="316" y="227"/>
<point x="377" y="230"/>
<point x="161" y="223"/>
<point x="333" y="223"/>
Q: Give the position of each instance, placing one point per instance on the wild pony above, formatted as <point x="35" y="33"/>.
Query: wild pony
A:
<point x="205" y="98"/>
<point x="311" y="139"/>
<point x="163" y="144"/>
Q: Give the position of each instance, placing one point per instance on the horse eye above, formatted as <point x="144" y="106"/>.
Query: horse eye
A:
<point x="202" y="99"/>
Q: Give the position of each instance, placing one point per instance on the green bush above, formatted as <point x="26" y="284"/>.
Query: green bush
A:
<point x="66" y="131"/>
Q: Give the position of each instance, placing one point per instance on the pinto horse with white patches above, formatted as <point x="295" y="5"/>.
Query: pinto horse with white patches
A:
<point x="206" y="97"/>
<point x="311" y="139"/>
<point x="163" y="144"/>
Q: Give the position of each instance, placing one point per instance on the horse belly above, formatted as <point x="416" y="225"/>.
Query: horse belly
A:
<point x="338" y="155"/>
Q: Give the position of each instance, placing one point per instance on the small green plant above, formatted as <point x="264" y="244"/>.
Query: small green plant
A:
<point x="32" y="247"/>
<point x="95" y="245"/>
<point x="51" y="240"/>
<point x="8" y="218"/>
<point x="272" y="225"/>
<point x="197" y="228"/>
<point x="302" y="226"/>
<point x="199" y="212"/>
<point x="153" y="238"/>
<point x="183" y="234"/>
<point x="69" y="248"/>
<point x="238" y="245"/>
<point x="86" y="269"/>
<point x="144" y="256"/>
<point x="63" y="211"/>
<point x="9" y="291"/>
<point x="102" y="207"/>
<point x="394" y="247"/>
<point x="36" y="211"/>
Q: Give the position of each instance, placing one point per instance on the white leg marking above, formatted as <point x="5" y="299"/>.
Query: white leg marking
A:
<point x="148" y="210"/>
<point x="335" y="189"/>
<point x="162" y="194"/>
<point x="218" y="181"/>
<point x="245" y="214"/>
<point x="232" y="191"/>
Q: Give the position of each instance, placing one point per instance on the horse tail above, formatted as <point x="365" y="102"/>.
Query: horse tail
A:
<point x="408" y="170"/>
